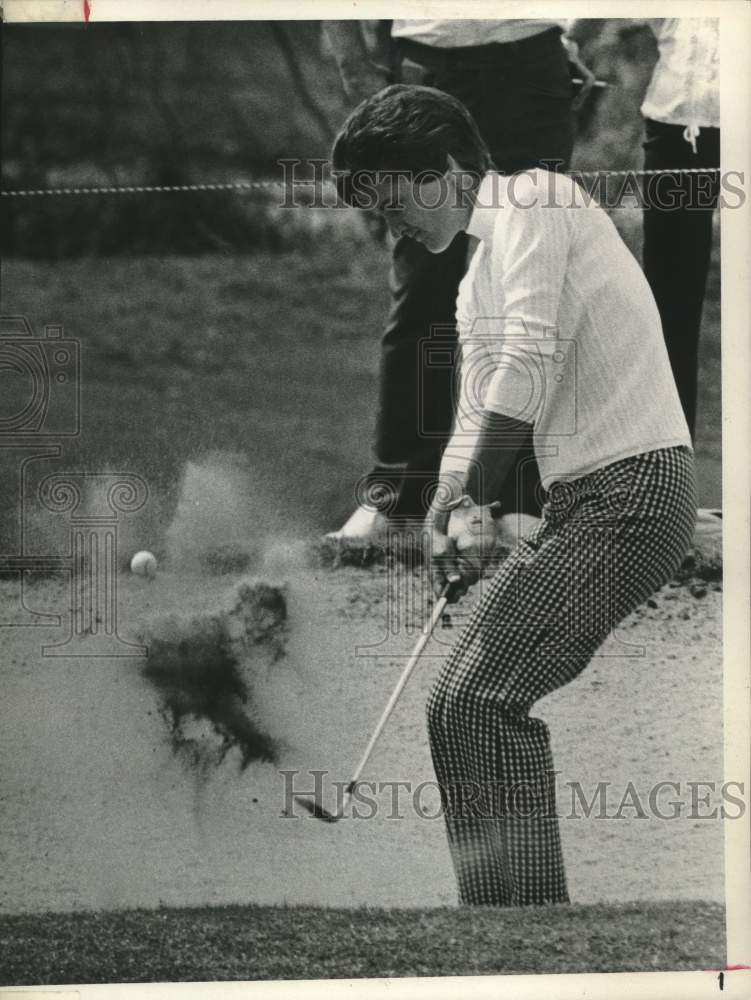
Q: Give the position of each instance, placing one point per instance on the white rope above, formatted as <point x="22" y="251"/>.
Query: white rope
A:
<point x="643" y="173"/>
<point x="140" y="189"/>
<point x="239" y="186"/>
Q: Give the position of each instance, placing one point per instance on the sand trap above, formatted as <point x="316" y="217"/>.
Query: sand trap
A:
<point x="132" y="783"/>
<point x="100" y="811"/>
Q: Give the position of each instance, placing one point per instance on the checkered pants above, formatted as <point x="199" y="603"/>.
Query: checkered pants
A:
<point x="605" y="543"/>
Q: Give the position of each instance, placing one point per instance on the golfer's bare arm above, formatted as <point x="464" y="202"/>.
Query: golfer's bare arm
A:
<point x="494" y="454"/>
<point x="361" y="76"/>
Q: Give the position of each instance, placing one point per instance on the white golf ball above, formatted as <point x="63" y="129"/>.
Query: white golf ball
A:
<point x="143" y="564"/>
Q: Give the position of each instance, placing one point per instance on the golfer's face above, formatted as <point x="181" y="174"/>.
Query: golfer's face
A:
<point x="422" y="211"/>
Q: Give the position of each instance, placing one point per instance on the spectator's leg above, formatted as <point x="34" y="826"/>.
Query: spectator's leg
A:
<point x="416" y="383"/>
<point x="678" y="244"/>
<point x="523" y="107"/>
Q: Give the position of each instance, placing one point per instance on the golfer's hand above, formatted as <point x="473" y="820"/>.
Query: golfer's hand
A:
<point x="444" y="562"/>
<point x="473" y="529"/>
<point x="588" y="77"/>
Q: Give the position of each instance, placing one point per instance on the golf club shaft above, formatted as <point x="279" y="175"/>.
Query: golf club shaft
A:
<point x="406" y="673"/>
<point x="316" y="808"/>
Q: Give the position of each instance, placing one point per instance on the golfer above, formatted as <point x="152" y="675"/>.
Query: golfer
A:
<point x="513" y="77"/>
<point x="559" y="334"/>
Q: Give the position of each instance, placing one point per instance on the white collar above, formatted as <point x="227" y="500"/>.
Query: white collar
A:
<point x="488" y="201"/>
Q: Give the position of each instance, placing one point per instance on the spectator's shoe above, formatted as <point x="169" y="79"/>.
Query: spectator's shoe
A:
<point x="705" y="556"/>
<point x="708" y="526"/>
<point x="365" y="525"/>
<point x="709" y="515"/>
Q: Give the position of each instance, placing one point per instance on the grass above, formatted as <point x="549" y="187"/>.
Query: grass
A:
<point x="272" y="356"/>
<point x="262" y="942"/>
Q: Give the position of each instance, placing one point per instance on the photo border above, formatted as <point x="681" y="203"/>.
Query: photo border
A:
<point x="735" y="24"/>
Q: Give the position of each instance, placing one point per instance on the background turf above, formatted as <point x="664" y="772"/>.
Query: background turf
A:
<point x="260" y="942"/>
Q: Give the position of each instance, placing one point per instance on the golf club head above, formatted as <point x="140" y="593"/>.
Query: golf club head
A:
<point x="316" y="809"/>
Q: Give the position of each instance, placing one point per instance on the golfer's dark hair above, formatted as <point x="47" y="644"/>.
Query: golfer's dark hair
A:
<point x="406" y="128"/>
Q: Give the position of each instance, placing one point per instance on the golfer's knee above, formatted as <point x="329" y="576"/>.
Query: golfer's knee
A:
<point x="468" y="703"/>
<point x="434" y="710"/>
<point x="452" y="706"/>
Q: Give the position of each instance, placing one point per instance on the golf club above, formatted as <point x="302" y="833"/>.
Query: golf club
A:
<point x="314" y="807"/>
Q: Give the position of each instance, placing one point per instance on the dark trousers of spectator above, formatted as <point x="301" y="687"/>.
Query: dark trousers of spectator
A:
<point x="519" y="93"/>
<point x="678" y="243"/>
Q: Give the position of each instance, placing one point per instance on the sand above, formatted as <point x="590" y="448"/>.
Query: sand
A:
<point x="101" y="811"/>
